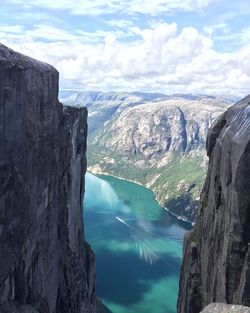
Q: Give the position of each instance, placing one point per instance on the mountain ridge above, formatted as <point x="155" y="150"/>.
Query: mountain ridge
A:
<point x="70" y="95"/>
<point x="149" y="141"/>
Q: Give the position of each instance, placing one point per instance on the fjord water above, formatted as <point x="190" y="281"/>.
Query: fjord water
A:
<point x="138" y="246"/>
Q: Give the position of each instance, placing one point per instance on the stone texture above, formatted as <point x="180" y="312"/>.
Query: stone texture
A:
<point x="225" y="308"/>
<point x="46" y="265"/>
<point x="216" y="264"/>
<point x="161" y="128"/>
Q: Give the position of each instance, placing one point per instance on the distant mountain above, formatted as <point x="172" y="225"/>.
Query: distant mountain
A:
<point x="86" y="98"/>
<point x="153" y="139"/>
<point x="66" y="93"/>
<point x="103" y="105"/>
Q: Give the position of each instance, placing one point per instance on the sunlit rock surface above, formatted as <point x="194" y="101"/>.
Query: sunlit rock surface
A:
<point x="46" y="266"/>
<point x="225" y="308"/>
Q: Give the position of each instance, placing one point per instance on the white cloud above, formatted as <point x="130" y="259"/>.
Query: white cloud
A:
<point x="15" y="29"/>
<point x="97" y="7"/>
<point x="48" y="32"/>
<point x="165" y="59"/>
<point x="158" y="6"/>
<point x="44" y="32"/>
<point x="244" y="35"/>
<point x="223" y="33"/>
<point x="119" y="23"/>
<point x="223" y="28"/>
<point x="231" y="11"/>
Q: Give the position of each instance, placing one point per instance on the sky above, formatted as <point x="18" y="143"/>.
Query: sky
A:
<point x="168" y="46"/>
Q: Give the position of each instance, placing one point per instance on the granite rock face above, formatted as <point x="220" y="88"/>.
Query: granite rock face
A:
<point x="216" y="264"/>
<point x="45" y="264"/>
<point x="225" y="308"/>
<point x="161" y="128"/>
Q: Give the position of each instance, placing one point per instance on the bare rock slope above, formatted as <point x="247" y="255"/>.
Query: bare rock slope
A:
<point x="45" y="263"/>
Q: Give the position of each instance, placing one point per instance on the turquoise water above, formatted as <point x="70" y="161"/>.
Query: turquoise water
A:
<point x="138" y="246"/>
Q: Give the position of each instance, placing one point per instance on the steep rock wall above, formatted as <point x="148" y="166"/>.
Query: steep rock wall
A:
<point x="216" y="264"/>
<point x="46" y="265"/>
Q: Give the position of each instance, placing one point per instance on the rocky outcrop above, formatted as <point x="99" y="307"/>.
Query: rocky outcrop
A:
<point x="216" y="264"/>
<point x="225" y="308"/>
<point x="46" y="266"/>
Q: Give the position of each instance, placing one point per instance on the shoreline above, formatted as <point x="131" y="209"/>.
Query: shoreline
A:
<point x="179" y="218"/>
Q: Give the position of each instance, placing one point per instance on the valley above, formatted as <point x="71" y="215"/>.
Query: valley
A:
<point x="51" y="209"/>
<point x="152" y="139"/>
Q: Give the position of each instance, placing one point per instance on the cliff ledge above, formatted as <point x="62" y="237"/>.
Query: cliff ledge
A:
<point x="225" y="308"/>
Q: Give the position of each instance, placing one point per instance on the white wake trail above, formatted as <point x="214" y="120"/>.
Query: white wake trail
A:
<point x="144" y="240"/>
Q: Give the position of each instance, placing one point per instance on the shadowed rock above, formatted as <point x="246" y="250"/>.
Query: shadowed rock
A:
<point x="45" y="264"/>
<point x="216" y="264"/>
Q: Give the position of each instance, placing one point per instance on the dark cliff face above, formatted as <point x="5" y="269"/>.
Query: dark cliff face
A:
<point x="45" y="264"/>
<point x="216" y="265"/>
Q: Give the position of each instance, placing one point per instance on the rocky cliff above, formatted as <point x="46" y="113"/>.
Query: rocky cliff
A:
<point x="216" y="264"/>
<point x="46" y="266"/>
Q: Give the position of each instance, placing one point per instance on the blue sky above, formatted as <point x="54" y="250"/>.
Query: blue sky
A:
<point x="190" y="46"/>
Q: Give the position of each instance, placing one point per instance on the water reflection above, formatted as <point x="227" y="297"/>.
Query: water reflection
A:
<point x="138" y="246"/>
<point x="99" y="193"/>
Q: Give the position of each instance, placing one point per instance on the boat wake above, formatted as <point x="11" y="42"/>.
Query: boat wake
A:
<point x="150" y="246"/>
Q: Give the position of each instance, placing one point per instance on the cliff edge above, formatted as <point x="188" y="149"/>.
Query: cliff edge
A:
<point x="225" y="308"/>
<point x="216" y="264"/>
<point x="46" y="265"/>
